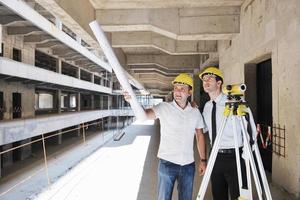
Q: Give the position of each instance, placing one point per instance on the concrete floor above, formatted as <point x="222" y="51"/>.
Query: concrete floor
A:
<point x="124" y="169"/>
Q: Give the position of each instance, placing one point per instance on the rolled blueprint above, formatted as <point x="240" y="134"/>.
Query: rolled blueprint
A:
<point x="118" y="69"/>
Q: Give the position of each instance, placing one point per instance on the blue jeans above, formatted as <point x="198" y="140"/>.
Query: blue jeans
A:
<point x="168" y="173"/>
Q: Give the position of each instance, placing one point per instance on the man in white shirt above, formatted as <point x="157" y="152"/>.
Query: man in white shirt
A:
<point x="224" y="175"/>
<point x="178" y="124"/>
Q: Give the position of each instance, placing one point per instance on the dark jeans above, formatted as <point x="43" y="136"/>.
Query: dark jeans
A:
<point x="168" y="173"/>
<point x="224" y="176"/>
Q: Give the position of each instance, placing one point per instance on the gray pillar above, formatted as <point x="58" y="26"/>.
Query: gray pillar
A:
<point x="0" y="164"/>
<point x="7" y="157"/>
<point x="79" y="130"/>
<point x="109" y="123"/>
<point x="197" y="86"/>
<point x="109" y="102"/>
<point x="58" y="66"/>
<point x="26" y="150"/>
<point x="92" y="78"/>
<point x="59" y="137"/>
<point x="78" y="109"/>
<point x="78" y="73"/>
<point x="92" y="101"/>
<point x="78" y="101"/>
<point x="101" y="102"/>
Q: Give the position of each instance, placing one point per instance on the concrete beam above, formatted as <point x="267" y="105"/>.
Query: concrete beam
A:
<point x="76" y="16"/>
<point x="165" y="44"/>
<point x="16" y="130"/>
<point x="22" y="30"/>
<point x="49" y="44"/>
<point x="154" y="72"/>
<point x="154" y="80"/>
<point x="26" y="71"/>
<point x="180" y="24"/>
<point x="157" y="68"/>
<point x="72" y="55"/>
<point x="165" y="61"/>
<point x="63" y="51"/>
<point x="82" y="62"/>
<point x="28" y="13"/>
<point x="9" y="19"/>
<point x="38" y="38"/>
<point x="121" y="4"/>
<point x="156" y="92"/>
<point x="213" y="60"/>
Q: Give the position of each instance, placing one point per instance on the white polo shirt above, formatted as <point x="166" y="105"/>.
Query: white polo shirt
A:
<point x="227" y="140"/>
<point x="177" y="130"/>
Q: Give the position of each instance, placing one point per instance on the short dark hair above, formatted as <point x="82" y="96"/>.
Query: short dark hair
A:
<point x="218" y="78"/>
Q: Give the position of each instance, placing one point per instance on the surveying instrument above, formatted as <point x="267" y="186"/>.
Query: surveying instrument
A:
<point x="237" y="108"/>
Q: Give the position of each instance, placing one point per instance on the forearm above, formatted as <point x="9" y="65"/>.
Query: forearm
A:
<point x="201" y="145"/>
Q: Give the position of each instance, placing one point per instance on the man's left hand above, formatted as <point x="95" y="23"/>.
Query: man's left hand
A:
<point x="202" y="168"/>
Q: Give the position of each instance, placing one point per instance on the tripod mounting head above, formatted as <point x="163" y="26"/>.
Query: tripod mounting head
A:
<point x="235" y="92"/>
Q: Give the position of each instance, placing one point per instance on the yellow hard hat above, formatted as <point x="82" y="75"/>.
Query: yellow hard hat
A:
<point x="184" y="79"/>
<point x="212" y="70"/>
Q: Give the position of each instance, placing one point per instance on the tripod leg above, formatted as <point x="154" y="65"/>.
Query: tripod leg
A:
<point x="259" y="161"/>
<point x="211" y="161"/>
<point x="262" y="173"/>
<point x="251" y="159"/>
<point x="249" y="183"/>
<point x="237" y="154"/>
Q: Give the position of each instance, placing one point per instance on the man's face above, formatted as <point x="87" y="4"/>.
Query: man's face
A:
<point x="181" y="92"/>
<point x="210" y="84"/>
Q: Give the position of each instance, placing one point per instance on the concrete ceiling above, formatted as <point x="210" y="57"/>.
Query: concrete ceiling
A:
<point x="159" y="38"/>
<point x="162" y="38"/>
<point x="138" y="4"/>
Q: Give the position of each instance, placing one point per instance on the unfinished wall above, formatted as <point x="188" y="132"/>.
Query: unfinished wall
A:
<point x="16" y="41"/>
<point x="271" y="29"/>
<point x="27" y="93"/>
<point x="9" y="86"/>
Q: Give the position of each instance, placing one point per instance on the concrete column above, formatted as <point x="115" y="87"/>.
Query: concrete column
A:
<point x="1" y="51"/>
<point x="59" y="137"/>
<point x="101" y="102"/>
<point x="197" y="86"/>
<point x="79" y="130"/>
<point x="78" y="73"/>
<point x="7" y="157"/>
<point x="92" y="102"/>
<point x="0" y="164"/>
<point x="109" y="99"/>
<point x="78" y="101"/>
<point x="26" y="150"/>
<point x="58" y="66"/>
<point x="58" y="101"/>
<point x="92" y="78"/>
<point x="109" y="123"/>
<point x="78" y="109"/>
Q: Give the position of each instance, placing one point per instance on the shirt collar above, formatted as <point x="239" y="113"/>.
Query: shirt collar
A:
<point x="219" y="98"/>
<point x="188" y="106"/>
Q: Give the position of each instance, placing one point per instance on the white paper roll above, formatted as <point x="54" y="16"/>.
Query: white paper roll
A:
<point x="118" y="69"/>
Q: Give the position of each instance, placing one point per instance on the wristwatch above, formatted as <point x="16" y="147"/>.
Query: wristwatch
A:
<point x="203" y="160"/>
